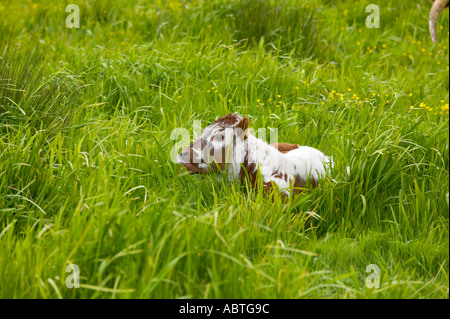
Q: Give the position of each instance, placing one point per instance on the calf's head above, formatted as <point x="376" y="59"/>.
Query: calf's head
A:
<point x="219" y="144"/>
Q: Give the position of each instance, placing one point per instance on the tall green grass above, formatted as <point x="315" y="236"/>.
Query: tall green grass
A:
<point x="85" y="171"/>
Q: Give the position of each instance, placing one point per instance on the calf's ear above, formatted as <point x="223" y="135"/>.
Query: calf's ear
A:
<point x="243" y="125"/>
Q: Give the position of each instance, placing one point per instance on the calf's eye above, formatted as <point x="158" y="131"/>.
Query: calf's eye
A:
<point x="217" y="138"/>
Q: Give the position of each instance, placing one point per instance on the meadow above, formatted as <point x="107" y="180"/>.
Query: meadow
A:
<point x="86" y="116"/>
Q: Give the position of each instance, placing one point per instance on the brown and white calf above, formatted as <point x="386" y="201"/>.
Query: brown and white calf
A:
<point x="227" y="145"/>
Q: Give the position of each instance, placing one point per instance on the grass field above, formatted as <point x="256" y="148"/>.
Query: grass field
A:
<point x="86" y="116"/>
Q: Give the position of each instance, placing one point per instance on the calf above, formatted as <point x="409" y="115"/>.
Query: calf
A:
<point x="227" y="146"/>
